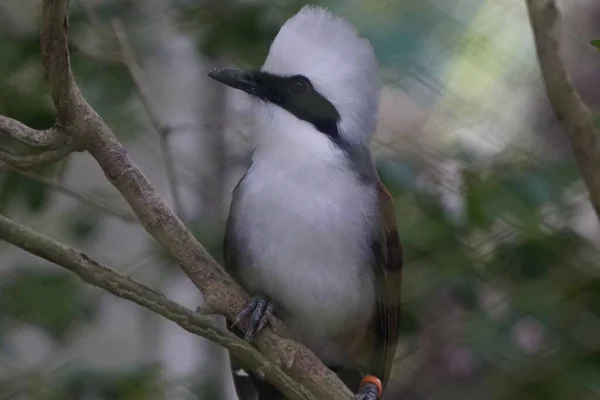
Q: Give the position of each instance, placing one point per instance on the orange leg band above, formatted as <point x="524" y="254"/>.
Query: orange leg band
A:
<point x="374" y="380"/>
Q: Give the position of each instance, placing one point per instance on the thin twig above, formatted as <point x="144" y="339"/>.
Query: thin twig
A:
<point x="60" y="187"/>
<point x="96" y="53"/>
<point x="163" y="131"/>
<point x="573" y="114"/>
<point x="122" y="286"/>
<point x="106" y="35"/>
<point x="26" y="162"/>
<point x="97" y="25"/>
<point x="48" y="139"/>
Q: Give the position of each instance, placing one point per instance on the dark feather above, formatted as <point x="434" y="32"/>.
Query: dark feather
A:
<point x="387" y="267"/>
<point x="232" y="250"/>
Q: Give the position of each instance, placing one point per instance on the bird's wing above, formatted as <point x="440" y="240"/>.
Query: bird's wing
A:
<point x="387" y="260"/>
<point x="232" y="249"/>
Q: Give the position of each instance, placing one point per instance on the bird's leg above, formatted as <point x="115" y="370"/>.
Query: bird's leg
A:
<point x="370" y="389"/>
<point x="261" y="312"/>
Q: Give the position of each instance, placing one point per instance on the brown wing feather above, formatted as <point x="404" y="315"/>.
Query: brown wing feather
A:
<point x="387" y="256"/>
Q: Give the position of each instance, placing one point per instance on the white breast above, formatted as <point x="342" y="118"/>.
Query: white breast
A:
<point x="305" y="218"/>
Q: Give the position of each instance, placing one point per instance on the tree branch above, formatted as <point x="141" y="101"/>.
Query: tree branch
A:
<point x="37" y="160"/>
<point x="55" y="143"/>
<point x="573" y="114"/>
<point x="48" y="139"/>
<point x="78" y="120"/>
<point x="122" y="286"/>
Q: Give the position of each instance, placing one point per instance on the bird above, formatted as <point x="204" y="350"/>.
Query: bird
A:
<point x="311" y="232"/>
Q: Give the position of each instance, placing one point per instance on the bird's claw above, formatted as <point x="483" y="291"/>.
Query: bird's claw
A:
<point x="261" y="311"/>
<point x="368" y="391"/>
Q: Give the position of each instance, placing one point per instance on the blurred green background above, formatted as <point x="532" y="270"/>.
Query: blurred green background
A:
<point x="502" y="279"/>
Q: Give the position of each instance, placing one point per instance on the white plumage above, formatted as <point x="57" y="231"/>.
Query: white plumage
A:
<point x="303" y="217"/>
<point x="342" y="66"/>
<point x="302" y="213"/>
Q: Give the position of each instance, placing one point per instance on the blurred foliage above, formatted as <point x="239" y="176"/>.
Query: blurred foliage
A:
<point x="25" y="297"/>
<point x="543" y="281"/>
<point x="14" y="187"/>
<point x="142" y="383"/>
<point x="17" y="189"/>
<point x="237" y="31"/>
<point x="596" y="43"/>
<point x="78" y="382"/>
<point x="83" y="224"/>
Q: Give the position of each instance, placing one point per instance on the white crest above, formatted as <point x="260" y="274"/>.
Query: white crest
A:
<point x="341" y="65"/>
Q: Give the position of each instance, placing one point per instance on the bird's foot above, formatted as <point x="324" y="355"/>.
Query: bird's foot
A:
<point x="370" y="389"/>
<point x="261" y="312"/>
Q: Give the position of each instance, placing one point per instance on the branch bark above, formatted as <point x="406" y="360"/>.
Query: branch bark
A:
<point x="48" y="139"/>
<point x="122" y="286"/>
<point x="26" y="162"/>
<point x="573" y="114"/>
<point x="84" y="126"/>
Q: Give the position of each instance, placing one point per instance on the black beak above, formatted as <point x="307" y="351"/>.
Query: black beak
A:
<point x="236" y="79"/>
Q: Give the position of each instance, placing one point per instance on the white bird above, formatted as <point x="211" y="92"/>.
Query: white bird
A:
<point x="311" y="231"/>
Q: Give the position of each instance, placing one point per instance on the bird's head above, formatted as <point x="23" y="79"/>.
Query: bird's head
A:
<point x="321" y="72"/>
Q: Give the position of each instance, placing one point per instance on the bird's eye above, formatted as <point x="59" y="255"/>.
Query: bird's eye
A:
<point x="298" y="86"/>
